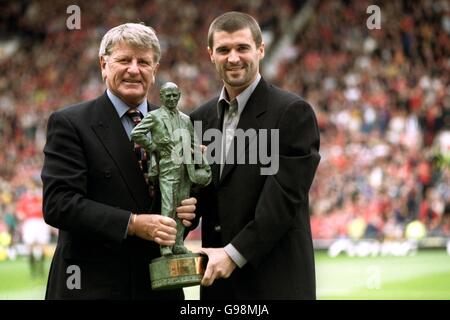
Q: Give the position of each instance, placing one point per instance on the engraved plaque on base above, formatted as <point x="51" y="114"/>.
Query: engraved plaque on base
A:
<point x="177" y="271"/>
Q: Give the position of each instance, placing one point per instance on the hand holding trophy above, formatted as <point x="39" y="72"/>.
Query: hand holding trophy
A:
<point x="176" y="162"/>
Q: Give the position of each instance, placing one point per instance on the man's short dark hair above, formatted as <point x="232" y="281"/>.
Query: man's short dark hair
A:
<point x="233" y="21"/>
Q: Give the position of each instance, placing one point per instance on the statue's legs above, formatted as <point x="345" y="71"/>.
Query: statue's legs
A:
<point x="168" y="206"/>
<point x="182" y="189"/>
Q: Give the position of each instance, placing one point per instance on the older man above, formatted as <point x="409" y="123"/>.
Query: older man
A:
<point x="95" y="191"/>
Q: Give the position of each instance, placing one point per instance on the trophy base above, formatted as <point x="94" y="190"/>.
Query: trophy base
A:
<point x="177" y="271"/>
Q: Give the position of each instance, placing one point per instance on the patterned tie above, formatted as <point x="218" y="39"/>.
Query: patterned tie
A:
<point x="141" y="155"/>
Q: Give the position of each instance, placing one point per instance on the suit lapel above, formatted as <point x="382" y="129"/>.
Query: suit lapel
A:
<point x="109" y="129"/>
<point x="256" y="106"/>
<point x="165" y="117"/>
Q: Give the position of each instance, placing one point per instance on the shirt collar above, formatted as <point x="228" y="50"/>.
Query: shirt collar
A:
<point x="242" y="98"/>
<point x="122" y="108"/>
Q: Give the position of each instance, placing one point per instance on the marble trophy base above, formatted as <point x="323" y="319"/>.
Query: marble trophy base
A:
<point x="177" y="271"/>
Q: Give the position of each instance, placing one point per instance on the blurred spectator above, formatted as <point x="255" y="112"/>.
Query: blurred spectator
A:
<point x="35" y="232"/>
<point x="382" y="97"/>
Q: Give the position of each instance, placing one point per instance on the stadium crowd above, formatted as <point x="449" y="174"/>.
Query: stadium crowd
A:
<point x="382" y="97"/>
<point x="383" y="103"/>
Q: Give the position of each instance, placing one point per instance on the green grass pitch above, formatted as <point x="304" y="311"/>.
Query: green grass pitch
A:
<point x="423" y="276"/>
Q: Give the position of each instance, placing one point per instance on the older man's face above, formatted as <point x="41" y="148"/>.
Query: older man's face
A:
<point x="129" y="72"/>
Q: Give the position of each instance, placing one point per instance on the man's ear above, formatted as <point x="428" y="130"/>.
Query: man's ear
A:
<point x="155" y="69"/>
<point x="102" y="62"/>
<point x="262" y="51"/>
<point x="210" y="51"/>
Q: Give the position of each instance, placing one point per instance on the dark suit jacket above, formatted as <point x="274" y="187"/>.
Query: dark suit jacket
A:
<point x="92" y="182"/>
<point x="265" y="217"/>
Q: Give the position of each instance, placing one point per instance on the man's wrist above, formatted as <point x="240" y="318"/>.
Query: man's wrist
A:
<point x="235" y="255"/>
<point x="132" y="225"/>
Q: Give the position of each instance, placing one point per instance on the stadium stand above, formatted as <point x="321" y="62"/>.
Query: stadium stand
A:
<point x="382" y="97"/>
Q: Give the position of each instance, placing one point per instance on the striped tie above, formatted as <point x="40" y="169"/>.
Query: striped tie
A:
<point x="141" y="155"/>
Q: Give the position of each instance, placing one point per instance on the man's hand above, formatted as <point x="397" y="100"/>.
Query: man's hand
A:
<point x="219" y="265"/>
<point x="154" y="227"/>
<point x="186" y="212"/>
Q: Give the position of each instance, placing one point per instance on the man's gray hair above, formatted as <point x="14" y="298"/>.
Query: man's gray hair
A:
<point x="134" y="34"/>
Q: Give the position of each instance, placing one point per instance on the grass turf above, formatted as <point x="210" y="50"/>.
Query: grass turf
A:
<point x="423" y="276"/>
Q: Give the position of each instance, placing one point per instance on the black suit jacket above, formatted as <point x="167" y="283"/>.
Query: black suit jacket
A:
<point x="265" y="217"/>
<point x="92" y="182"/>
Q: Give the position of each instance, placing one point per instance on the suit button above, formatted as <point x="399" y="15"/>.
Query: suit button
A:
<point x="108" y="174"/>
<point x="217" y="228"/>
